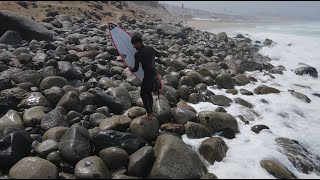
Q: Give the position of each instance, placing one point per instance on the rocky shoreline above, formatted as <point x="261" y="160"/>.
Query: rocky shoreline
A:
<point x="70" y="109"/>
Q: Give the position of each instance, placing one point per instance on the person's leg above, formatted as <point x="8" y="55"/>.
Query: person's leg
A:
<point x="144" y="97"/>
<point x="147" y="93"/>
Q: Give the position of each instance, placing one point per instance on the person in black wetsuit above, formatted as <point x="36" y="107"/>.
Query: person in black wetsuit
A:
<point x="146" y="56"/>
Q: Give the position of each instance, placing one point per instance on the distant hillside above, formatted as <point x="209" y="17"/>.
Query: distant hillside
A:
<point x="187" y="13"/>
<point x="100" y="10"/>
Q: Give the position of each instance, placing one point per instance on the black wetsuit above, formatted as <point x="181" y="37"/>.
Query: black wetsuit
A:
<point x="146" y="56"/>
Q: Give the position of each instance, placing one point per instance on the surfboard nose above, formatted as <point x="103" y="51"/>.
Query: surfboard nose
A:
<point x="111" y="26"/>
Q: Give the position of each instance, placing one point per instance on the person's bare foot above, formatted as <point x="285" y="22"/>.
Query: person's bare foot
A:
<point x="149" y="116"/>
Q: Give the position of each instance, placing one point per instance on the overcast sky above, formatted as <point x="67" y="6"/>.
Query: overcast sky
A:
<point x="294" y="9"/>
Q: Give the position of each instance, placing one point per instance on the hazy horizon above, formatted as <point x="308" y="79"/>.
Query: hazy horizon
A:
<point x="299" y="10"/>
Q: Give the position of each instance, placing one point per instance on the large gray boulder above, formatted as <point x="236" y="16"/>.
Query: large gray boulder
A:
<point x="218" y="121"/>
<point x="75" y="144"/>
<point x="11" y="120"/>
<point x="306" y="70"/>
<point x="28" y="28"/>
<point x="167" y="29"/>
<point x="33" y="168"/>
<point x="91" y="167"/>
<point x="10" y="38"/>
<point x="213" y="149"/>
<point x="175" y="160"/>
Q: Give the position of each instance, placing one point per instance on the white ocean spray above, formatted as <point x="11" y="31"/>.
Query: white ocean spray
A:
<point x="301" y="121"/>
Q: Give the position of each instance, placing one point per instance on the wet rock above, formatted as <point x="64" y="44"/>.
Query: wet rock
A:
<point x="195" y="98"/>
<point x="213" y="149"/>
<point x="33" y="116"/>
<point x="173" y="128"/>
<point x="103" y="110"/>
<point x="136" y="112"/>
<point x="55" y="133"/>
<point x="185" y="80"/>
<point x="114" y="157"/>
<point x="220" y="100"/>
<point x="307" y="70"/>
<point x="33" y="168"/>
<point x="208" y="81"/>
<point x="54" y="157"/>
<point x="171" y="80"/>
<point x="103" y="99"/>
<point x="246" y="92"/>
<point x="46" y="147"/>
<point x="109" y="138"/>
<point x="196" y="131"/>
<point x="232" y="91"/>
<point x="91" y="168"/>
<point x="133" y="80"/>
<point x="86" y="98"/>
<point x="48" y="71"/>
<point x="243" y="102"/>
<point x="227" y="133"/>
<point x="116" y="122"/>
<point x="184" y="92"/>
<point x="35" y="99"/>
<point x="300" y="96"/>
<point x="220" y="109"/>
<point x="184" y="105"/>
<point x="209" y="176"/>
<point x="122" y="176"/>
<point x="265" y="90"/>
<point x="206" y="93"/>
<point x="241" y="80"/>
<point x="249" y="66"/>
<point x="11" y="119"/>
<point x="141" y="161"/>
<point x="200" y="87"/>
<point x="67" y="70"/>
<point x="64" y="175"/>
<point x="54" y="94"/>
<point x="182" y="116"/>
<point x="70" y="101"/>
<point x="170" y="149"/>
<point x="278" y="70"/>
<point x="96" y="118"/>
<point x="75" y="144"/>
<point x="162" y="111"/>
<point x="178" y="65"/>
<point x="316" y="94"/>
<point x="225" y="81"/>
<point x="71" y="58"/>
<point x="147" y="129"/>
<point x="123" y="97"/>
<point x="15" y="144"/>
<point x="302" y="159"/>
<point x="276" y="169"/>
<point x="217" y="121"/>
<point x="56" y="117"/>
<point x="258" y="128"/>
<point x="52" y="81"/>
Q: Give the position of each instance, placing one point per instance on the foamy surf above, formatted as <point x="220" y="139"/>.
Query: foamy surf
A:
<point x="285" y="115"/>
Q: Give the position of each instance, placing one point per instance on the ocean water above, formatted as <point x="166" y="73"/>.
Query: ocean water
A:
<point x="298" y="120"/>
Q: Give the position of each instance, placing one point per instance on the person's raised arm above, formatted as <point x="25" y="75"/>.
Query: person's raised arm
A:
<point x="136" y="63"/>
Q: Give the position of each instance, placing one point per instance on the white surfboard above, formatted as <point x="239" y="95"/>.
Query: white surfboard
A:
<point x="122" y="42"/>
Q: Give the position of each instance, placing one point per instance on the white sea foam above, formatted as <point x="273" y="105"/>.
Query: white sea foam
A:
<point x="206" y="19"/>
<point x="298" y="120"/>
